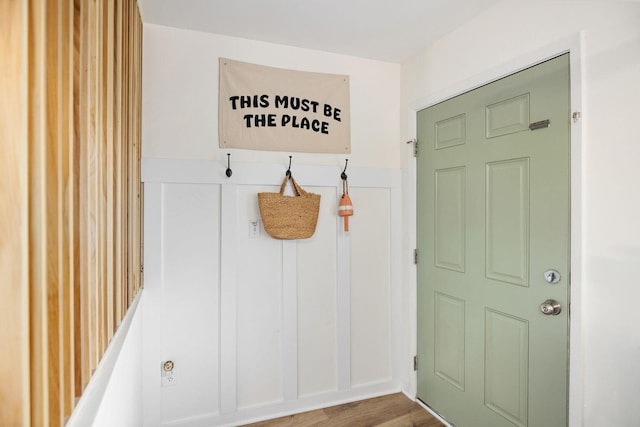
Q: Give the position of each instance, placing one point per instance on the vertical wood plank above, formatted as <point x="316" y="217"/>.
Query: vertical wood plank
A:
<point x="75" y="198"/>
<point x="119" y="171"/>
<point x="51" y="186"/>
<point x="131" y="172"/>
<point x="66" y="192"/>
<point x="125" y="144"/>
<point x="82" y="285"/>
<point x="101" y="223"/>
<point x="110" y="170"/>
<point x="93" y="142"/>
<point x="84" y="145"/>
<point x="135" y="182"/>
<point x="138" y="246"/>
<point x="14" y="276"/>
<point x="37" y="101"/>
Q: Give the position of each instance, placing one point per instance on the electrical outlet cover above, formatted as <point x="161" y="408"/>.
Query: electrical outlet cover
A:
<point x="168" y="377"/>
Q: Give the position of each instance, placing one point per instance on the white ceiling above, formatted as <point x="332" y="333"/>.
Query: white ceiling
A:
<point x="387" y="30"/>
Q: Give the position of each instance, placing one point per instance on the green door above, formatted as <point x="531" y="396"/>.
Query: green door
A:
<point x="493" y="218"/>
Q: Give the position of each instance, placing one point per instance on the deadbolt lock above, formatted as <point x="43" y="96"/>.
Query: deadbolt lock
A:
<point x="552" y="276"/>
<point x="550" y="307"/>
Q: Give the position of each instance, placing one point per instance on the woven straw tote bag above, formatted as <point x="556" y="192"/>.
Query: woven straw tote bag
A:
<point x="289" y="217"/>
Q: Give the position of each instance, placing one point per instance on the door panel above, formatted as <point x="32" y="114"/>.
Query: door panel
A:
<point x="450" y="218"/>
<point x="493" y="215"/>
<point x="450" y="132"/>
<point x="508" y="116"/>
<point x="506" y="382"/>
<point x="507" y="221"/>
<point x="449" y="358"/>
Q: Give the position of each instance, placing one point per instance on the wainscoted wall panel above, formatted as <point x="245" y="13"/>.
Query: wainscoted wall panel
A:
<point x="190" y="220"/>
<point x="259" y="309"/>
<point x="317" y="304"/>
<point x="370" y="287"/>
<point x="259" y="327"/>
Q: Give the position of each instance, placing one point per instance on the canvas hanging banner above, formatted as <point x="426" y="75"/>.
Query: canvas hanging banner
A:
<point x="266" y="108"/>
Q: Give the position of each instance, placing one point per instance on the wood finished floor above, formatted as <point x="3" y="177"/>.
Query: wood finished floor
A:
<point x="394" y="410"/>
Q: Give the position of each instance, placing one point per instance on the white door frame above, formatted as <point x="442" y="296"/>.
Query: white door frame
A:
<point x="572" y="45"/>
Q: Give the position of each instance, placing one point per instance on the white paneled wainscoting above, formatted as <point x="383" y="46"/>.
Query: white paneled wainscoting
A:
<point x="259" y="327"/>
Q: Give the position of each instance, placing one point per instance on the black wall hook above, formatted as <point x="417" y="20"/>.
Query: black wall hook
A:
<point x="228" y="171"/>
<point x="288" y="173"/>
<point x="343" y="175"/>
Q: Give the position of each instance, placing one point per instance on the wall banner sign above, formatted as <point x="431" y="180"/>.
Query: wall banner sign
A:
<point x="266" y="108"/>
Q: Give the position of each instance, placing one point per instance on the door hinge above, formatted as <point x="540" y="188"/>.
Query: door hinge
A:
<point x="576" y="116"/>
<point x="415" y="362"/>
<point x="415" y="256"/>
<point x="414" y="141"/>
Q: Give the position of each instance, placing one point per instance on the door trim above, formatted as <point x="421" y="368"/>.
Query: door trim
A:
<point x="573" y="46"/>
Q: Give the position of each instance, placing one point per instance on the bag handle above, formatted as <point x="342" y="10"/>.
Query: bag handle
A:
<point x="296" y="188"/>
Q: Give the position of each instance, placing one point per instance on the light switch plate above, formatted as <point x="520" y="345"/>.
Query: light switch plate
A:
<point x="254" y="229"/>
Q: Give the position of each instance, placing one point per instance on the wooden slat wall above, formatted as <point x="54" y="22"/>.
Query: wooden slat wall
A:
<point x="70" y="196"/>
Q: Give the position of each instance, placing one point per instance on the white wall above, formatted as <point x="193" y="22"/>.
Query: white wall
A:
<point x="608" y="379"/>
<point x="180" y="97"/>
<point x="113" y="397"/>
<point x="259" y="327"/>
